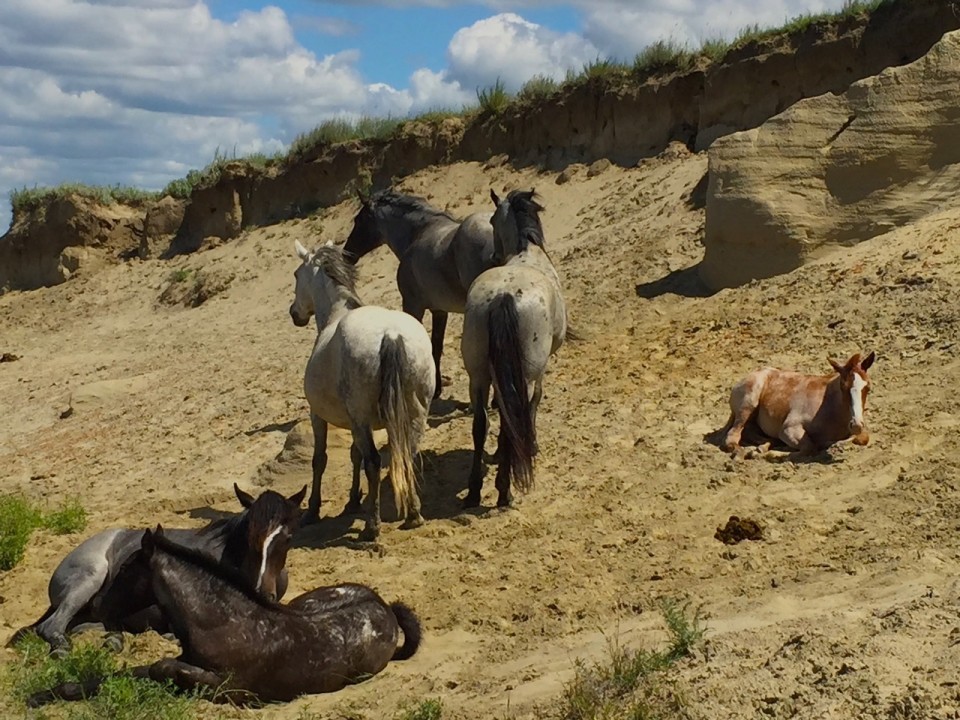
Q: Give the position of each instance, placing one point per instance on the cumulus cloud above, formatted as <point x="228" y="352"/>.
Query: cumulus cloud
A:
<point x="513" y="49"/>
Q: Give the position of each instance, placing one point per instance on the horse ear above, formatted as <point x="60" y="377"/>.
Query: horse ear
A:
<point x="147" y="544"/>
<point x="302" y="252"/>
<point x="493" y="196"/>
<point x="868" y="360"/>
<point x="835" y="364"/>
<point x="246" y="499"/>
<point x="297" y="498"/>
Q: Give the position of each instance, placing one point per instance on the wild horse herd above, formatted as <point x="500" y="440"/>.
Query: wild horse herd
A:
<point x="217" y="589"/>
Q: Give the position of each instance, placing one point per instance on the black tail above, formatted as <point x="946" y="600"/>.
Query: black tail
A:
<point x="412" y="633"/>
<point x="24" y="631"/>
<point x="510" y="383"/>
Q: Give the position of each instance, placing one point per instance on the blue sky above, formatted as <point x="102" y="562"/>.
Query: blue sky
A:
<point x="138" y="92"/>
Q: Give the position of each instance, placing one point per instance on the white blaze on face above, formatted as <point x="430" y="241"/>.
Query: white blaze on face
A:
<point x="856" y="400"/>
<point x="265" y="553"/>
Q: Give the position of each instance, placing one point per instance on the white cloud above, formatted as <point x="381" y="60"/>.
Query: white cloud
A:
<point x="513" y="49"/>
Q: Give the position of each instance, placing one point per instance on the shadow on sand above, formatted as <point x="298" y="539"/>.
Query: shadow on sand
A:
<point x="685" y="283"/>
<point x="443" y="478"/>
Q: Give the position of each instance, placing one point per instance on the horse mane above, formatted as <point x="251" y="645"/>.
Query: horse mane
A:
<point x="329" y="259"/>
<point x="526" y="211"/>
<point x="408" y="205"/>
<point x="229" y="575"/>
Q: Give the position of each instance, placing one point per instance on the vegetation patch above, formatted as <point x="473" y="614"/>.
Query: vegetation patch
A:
<point x="19" y="518"/>
<point x="121" y="696"/>
<point x="429" y="709"/>
<point x="192" y="288"/>
<point x="494" y="99"/>
<point x="28" y="200"/>
<point x="634" y="684"/>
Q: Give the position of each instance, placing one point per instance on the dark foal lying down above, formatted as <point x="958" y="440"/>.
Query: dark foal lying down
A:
<point x="86" y="587"/>
<point x="248" y="648"/>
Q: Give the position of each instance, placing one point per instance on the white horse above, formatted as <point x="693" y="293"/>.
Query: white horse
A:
<point x="515" y="320"/>
<point x="371" y="368"/>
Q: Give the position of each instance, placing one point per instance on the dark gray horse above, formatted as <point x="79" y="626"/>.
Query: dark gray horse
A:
<point x="439" y="256"/>
<point x="246" y="648"/>
<point x="86" y="586"/>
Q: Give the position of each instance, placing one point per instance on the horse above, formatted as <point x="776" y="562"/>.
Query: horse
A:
<point x="87" y="586"/>
<point x="244" y="647"/>
<point x="515" y="320"/>
<point x="439" y="256"/>
<point x="807" y="412"/>
<point x="370" y="368"/>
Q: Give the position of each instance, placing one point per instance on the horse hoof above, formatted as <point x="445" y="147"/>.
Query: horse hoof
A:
<point x="309" y="518"/>
<point x="354" y="507"/>
<point x="369" y="534"/>
<point x="412" y="522"/>
<point x="471" y="501"/>
<point x="60" y="652"/>
<point x="505" y="501"/>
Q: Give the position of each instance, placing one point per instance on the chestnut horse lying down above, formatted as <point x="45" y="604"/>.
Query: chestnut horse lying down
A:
<point x="245" y="647"/>
<point x="807" y="412"/>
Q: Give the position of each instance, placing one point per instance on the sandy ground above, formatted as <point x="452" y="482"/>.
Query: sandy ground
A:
<point x="848" y="608"/>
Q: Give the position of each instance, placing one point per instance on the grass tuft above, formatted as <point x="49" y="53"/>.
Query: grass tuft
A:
<point x="663" y="56"/>
<point x="429" y="709"/>
<point x="71" y="518"/>
<point x="538" y="87"/>
<point x="493" y="99"/>
<point x="602" y="68"/>
<point x="631" y="685"/>
<point x="19" y="518"/>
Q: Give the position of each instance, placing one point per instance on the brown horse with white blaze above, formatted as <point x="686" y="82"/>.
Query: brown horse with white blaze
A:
<point x="807" y="412"/>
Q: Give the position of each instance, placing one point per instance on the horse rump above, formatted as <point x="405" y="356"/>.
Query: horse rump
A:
<point x="510" y="386"/>
<point x="412" y="632"/>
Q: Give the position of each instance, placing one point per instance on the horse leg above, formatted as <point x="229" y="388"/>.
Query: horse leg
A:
<point x="438" y="330"/>
<point x="312" y="514"/>
<point x="80" y="592"/>
<point x="363" y="440"/>
<point x="479" y="393"/>
<point x="534" y="405"/>
<point x="354" y="506"/>
<point x="744" y="402"/>
<point x="192" y="678"/>
<point x="504" y="497"/>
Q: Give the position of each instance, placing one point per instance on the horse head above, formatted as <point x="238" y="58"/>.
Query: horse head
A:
<point x="302" y="307"/>
<point x="855" y="385"/>
<point x="367" y="233"/>
<point x="516" y="223"/>
<point x="272" y="520"/>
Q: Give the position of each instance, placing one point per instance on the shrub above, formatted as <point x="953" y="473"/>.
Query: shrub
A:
<point x="494" y="99"/>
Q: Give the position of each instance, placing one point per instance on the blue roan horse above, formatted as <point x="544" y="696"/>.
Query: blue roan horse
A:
<point x="515" y="321"/>
<point x="439" y="256"/>
<point x="86" y="587"/>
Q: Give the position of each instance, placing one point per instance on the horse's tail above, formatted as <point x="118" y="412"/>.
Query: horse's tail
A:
<point x="510" y="384"/>
<point x="395" y="411"/>
<point x="24" y="631"/>
<point x="412" y="632"/>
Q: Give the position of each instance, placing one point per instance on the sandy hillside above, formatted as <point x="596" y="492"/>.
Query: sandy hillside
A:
<point x="849" y="608"/>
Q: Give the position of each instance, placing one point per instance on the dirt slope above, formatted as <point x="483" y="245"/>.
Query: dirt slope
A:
<point x="848" y="609"/>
